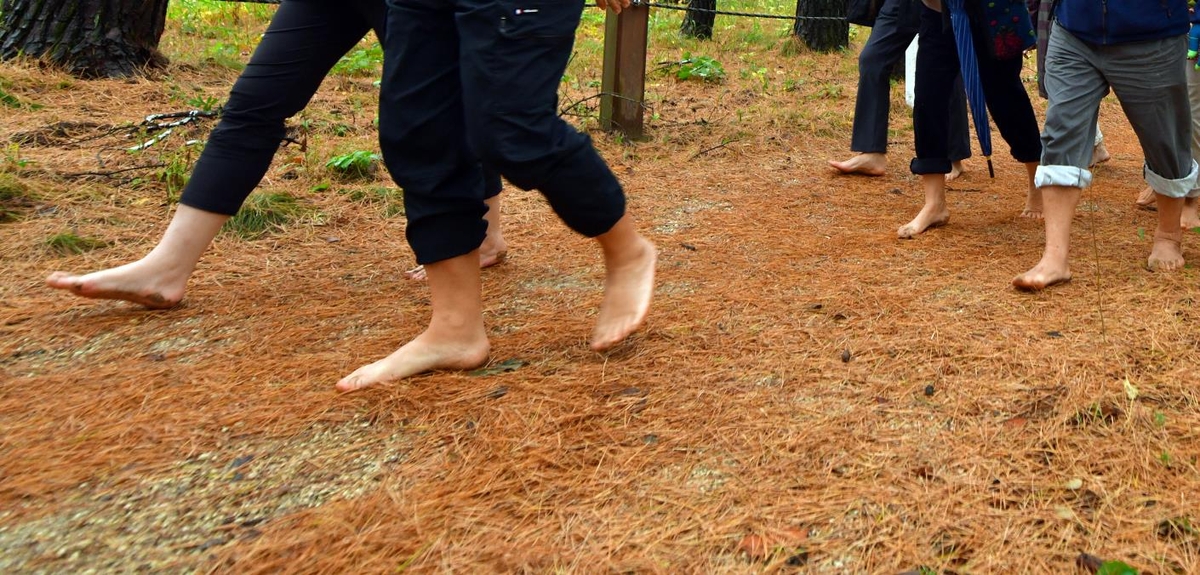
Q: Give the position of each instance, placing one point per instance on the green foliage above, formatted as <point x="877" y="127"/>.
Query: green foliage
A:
<point x="175" y="172"/>
<point x="10" y="101"/>
<point x="361" y="62"/>
<point x="359" y="164"/>
<point x="12" y="161"/>
<point x="1116" y="568"/>
<point x="264" y="212"/>
<point x="204" y="103"/>
<point x="67" y="243"/>
<point x="225" y="55"/>
<point x="703" y="68"/>
<point x="13" y="194"/>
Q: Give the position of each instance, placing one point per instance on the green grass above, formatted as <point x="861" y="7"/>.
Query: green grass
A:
<point x="68" y="243"/>
<point x="264" y="212"/>
<point x="390" y="200"/>
<point x="13" y="194"/>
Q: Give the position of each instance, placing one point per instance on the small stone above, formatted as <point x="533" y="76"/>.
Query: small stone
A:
<point x="930" y="390"/>
<point x="846" y="356"/>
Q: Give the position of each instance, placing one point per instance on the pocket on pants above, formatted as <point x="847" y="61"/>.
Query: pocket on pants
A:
<point x="539" y="19"/>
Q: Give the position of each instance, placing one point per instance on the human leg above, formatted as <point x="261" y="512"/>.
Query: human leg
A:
<point x="1190" y="218"/>
<point x="1099" y="150"/>
<point x="1059" y="204"/>
<point x="1009" y="105"/>
<point x="960" y="135"/>
<point x="422" y="137"/>
<point x="1075" y="87"/>
<point x="304" y="40"/>
<point x="1151" y="84"/>
<point x="158" y="280"/>
<point x="494" y="248"/>
<point x="894" y="29"/>
<point x="456" y="337"/>
<point x="937" y="68"/>
<point x="511" y="75"/>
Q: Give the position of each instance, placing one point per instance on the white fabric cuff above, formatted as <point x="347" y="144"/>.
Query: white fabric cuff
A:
<point x="1069" y="176"/>
<point x="1180" y="188"/>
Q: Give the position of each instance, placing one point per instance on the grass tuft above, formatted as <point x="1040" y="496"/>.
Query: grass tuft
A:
<point x="68" y="243"/>
<point x="264" y="212"/>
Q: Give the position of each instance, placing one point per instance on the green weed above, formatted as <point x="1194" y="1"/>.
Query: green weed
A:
<point x="361" y="62"/>
<point x="13" y="194"/>
<point x="204" y="103"/>
<point x="68" y="243"/>
<point x="355" y="165"/>
<point x="12" y="161"/>
<point x="703" y="68"/>
<point x="264" y="212"/>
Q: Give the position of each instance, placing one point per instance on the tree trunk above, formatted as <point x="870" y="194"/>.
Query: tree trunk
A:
<point x="822" y="35"/>
<point x="89" y="38"/>
<point x="698" y="24"/>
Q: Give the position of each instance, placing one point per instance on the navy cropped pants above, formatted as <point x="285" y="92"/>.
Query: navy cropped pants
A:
<point x="305" y="39"/>
<point x="473" y="83"/>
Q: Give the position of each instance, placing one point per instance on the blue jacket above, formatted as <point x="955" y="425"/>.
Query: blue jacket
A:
<point x="1120" y="21"/>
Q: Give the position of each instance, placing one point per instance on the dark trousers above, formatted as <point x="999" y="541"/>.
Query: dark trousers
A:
<point x="305" y="39"/>
<point x="471" y="81"/>
<point x="937" y="70"/>
<point x="895" y="27"/>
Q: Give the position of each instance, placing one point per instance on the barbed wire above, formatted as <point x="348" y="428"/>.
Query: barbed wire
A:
<point x="733" y="13"/>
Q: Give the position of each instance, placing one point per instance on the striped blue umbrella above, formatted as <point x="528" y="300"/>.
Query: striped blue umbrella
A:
<point x="968" y="64"/>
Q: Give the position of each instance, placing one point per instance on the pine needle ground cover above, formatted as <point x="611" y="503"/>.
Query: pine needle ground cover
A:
<point x="809" y="394"/>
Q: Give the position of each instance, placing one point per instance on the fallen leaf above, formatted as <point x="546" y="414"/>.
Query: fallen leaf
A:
<point x="754" y="547"/>
<point x="1131" y="390"/>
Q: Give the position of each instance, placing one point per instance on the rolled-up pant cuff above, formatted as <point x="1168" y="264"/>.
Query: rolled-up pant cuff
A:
<point x="930" y="166"/>
<point x="1182" y="188"/>
<point x="1069" y="176"/>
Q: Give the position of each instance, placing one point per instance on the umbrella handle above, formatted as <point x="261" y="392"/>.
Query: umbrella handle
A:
<point x="991" y="171"/>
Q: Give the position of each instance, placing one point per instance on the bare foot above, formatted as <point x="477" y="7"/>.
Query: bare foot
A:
<point x="1189" y="218"/>
<point x="425" y="353"/>
<point x="132" y="282"/>
<point x="1033" y="204"/>
<point x="1041" y="277"/>
<point x="956" y="170"/>
<point x="486" y="260"/>
<point x="1146" y="198"/>
<point x="628" y="287"/>
<point x="1167" y="253"/>
<point x="1099" y="154"/>
<point x="867" y="164"/>
<point x="931" y="216"/>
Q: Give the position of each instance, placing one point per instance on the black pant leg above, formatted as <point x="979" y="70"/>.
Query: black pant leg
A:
<point x="894" y="30"/>
<point x="303" y="42"/>
<point x="422" y="131"/>
<point x="937" y="69"/>
<point x="1008" y="103"/>
<point x="514" y="54"/>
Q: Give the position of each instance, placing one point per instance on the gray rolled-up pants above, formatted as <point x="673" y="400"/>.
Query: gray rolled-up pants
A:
<point x="1150" y="81"/>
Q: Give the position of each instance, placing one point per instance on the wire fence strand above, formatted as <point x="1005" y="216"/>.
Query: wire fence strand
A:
<point x="735" y="13"/>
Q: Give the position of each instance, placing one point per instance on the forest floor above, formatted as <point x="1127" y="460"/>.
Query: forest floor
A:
<point x="809" y="393"/>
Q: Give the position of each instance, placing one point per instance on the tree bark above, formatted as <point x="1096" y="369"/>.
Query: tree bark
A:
<point x="822" y="35"/>
<point x="89" y="38"/>
<point x="698" y="24"/>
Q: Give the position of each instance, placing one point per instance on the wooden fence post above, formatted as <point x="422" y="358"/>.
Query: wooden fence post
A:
<point x="624" y="79"/>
